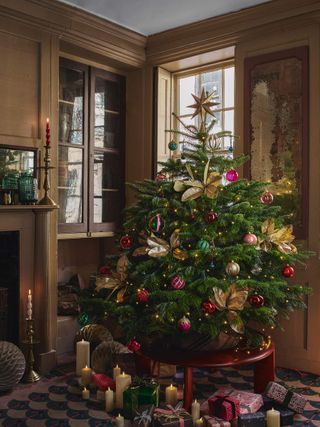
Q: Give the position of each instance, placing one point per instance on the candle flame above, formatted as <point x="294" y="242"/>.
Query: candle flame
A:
<point x="84" y="389"/>
<point x="86" y="367"/>
<point x="47" y="119"/>
<point x="29" y="292"/>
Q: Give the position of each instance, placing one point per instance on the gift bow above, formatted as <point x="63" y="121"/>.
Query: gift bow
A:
<point x="116" y="281"/>
<point x="282" y="238"/>
<point x="232" y="300"/>
<point x="157" y="247"/>
<point x="209" y="187"/>
<point x="172" y="413"/>
<point x="218" y="404"/>
<point x="144" y="417"/>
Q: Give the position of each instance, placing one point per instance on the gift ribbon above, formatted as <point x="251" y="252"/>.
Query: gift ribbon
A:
<point x="172" y="413"/>
<point x="218" y="405"/>
<point x="145" y="417"/>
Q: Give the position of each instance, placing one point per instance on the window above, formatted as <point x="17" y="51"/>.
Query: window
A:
<point x="221" y="82"/>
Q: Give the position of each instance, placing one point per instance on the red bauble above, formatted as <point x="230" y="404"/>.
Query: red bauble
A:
<point x="133" y="345"/>
<point x="256" y="300"/>
<point x="232" y="175"/>
<point x="184" y="324"/>
<point x="160" y="177"/>
<point x="104" y="270"/>
<point x="142" y="295"/>
<point x="250" y="239"/>
<point x="288" y="271"/>
<point x="126" y="242"/>
<point x="210" y="217"/>
<point x="266" y="198"/>
<point x="177" y="282"/>
<point x="208" y="307"/>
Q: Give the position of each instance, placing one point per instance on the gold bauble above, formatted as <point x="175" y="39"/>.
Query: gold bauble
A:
<point x="233" y="268"/>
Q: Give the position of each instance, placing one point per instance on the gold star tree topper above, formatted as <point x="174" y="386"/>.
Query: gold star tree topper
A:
<point x="203" y="105"/>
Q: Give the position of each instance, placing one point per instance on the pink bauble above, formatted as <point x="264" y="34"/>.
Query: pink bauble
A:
<point x="184" y="324"/>
<point x="250" y="239"/>
<point x="177" y="282"/>
<point x="266" y="198"/>
<point x="232" y="175"/>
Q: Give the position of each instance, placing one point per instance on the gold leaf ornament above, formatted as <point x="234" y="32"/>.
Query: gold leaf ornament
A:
<point x="209" y="187"/>
<point x="117" y="280"/>
<point x="233" y="300"/>
<point x="156" y="247"/>
<point x="282" y="238"/>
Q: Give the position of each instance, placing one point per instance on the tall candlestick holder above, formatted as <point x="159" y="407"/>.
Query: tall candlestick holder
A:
<point x="46" y="200"/>
<point x="30" y="375"/>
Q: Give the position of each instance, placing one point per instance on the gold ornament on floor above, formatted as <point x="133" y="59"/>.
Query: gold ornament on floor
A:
<point x="210" y="186"/>
<point x="157" y="247"/>
<point x="117" y="281"/>
<point x="282" y="238"/>
<point x="233" y="300"/>
<point x="233" y="268"/>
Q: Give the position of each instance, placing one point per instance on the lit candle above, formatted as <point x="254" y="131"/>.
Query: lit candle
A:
<point x="109" y="396"/>
<point x="195" y="410"/>
<point x="85" y="394"/>
<point x="29" y="305"/>
<point x="119" y="420"/>
<point x="86" y="375"/>
<point x="122" y="383"/>
<point x="116" y="372"/>
<point x="199" y="422"/>
<point x="47" y="133"/>
<point x="273" y="418"/>
<point x="171" y="395"/>
<point x="83" y="356"/>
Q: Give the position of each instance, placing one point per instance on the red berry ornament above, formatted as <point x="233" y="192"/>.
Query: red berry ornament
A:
<point x="266" y="198"/>
<point x="126" y="242"/>
<point x="210" y="217"/>
<point x="161" y="177"/>
<point x="288" y="271"/>
<point x="256" y="300"/>
<point x="208" y="307"/>
<point x="250" y="239"/>
<point x="142" y="295"/>
<point x="177" y="282"/>
<point x="232" y="175"/>
<point x="104" y="270"/>
<point x="184" y="324"/>
<point x="133" y="345"/>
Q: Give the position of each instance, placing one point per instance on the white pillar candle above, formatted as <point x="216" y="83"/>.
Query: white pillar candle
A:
<point x="109" y="396"/>
<point x="83" y="356"/>
<point x="273" y="418"/>
<point x="199" y="422"/>
<point x="116" y="372"/>
<point x="101" y="395"/>
<point x="122" y="383"/>
<point x="86" y="375"/>
<point x="119" y="421"/>
<point x="195" y="410"/>
<point x="29" y="305"/>
<point x="171" y="395"/>
<point x="85" y="394"/>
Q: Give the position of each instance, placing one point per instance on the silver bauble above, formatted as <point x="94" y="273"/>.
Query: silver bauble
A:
<point x="233" y="268"/>
<point x="12" y="365"/>
<point x="256" y="270"/>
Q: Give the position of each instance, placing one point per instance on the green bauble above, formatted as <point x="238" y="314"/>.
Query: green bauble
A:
<point x="83" y="319"/>
<point x="172" y="145"/>
<point x="203" y="245"/>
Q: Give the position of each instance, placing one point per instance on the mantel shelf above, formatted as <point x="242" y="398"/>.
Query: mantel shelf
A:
<point x="21" y="208"/>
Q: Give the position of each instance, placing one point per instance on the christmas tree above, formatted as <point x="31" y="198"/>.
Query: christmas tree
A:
<point x="203" y="253"/>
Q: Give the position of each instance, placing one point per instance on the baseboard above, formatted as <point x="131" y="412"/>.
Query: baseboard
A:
<point x="47" y="361"/>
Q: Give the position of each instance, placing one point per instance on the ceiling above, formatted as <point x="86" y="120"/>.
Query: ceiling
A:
<point x="153" y="16"/>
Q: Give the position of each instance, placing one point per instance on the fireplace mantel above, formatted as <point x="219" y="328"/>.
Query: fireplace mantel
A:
<point x="21" y="208"/>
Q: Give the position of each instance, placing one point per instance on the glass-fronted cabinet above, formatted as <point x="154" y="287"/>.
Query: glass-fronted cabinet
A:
<point x="91" y="148"/>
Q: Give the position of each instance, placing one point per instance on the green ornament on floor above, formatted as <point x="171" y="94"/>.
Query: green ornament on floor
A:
<point x="172" y="145"/>
<point x="203" y="245"/>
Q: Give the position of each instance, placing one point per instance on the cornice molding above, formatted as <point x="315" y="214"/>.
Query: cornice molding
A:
<point x="80" y="28"/>
<point x="225" y="30"/>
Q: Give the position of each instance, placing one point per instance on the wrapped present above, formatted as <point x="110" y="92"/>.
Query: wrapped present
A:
<point x="257" y="419"/>
<point x="215" y="422"/>
<point x="143" y="417"/>
<point x="148" y="393"/>
<point x="286" y="416"/>
<point x="267" y="403"/>
<point x="131" y="402"/>
<point x="249" y="402"/>
<point x="172" y="417"/>
<point x="103" y="382"/>
<point x="225" y="407"/>
<point x="286" y="397"/>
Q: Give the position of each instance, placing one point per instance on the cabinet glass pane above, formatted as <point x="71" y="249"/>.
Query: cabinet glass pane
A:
<point x="107" y="114"/>
<point x="70" y="185"/>
<point x="71" y="93"/>
<point x="106" y="187"/>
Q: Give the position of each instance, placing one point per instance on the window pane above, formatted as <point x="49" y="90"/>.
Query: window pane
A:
<point x="187" y="87"/>
<point x="212" y="82"/>
<point x="229" y="120"/>
<point x="70" y="185"/>
<point x="229" y="87"/>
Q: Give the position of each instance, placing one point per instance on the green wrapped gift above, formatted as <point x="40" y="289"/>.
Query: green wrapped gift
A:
<point x="149" y="393"/>
<point x="131" y="401"/>
<point x="142" y="392"/>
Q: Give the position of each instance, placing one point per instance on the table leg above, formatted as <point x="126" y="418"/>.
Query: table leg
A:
<point x="187" y="394"/>
<point x="264" y="372"/>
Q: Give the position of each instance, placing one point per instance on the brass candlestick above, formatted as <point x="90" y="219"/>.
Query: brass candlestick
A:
<point x="30" y="375"/>
<point x="46" y="200"/>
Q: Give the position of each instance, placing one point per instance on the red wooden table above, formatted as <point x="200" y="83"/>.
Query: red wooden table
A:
<point x="264" y="361"/>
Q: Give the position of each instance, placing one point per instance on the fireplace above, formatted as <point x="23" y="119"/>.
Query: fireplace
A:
<point x="10" y="281"/>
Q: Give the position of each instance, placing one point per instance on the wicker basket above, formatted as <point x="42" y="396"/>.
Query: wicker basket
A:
<point x="3" y="313"/>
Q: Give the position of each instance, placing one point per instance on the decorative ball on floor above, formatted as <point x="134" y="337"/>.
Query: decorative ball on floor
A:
<point x="93" y="333"/>
<point x="102" y="358"/>
<point x="12" y="363"/>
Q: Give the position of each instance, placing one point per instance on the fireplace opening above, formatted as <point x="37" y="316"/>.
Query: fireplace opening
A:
<point x="9" y="286"/>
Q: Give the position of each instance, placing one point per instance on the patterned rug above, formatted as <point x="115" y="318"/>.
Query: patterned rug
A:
<point x="56" y="399"/>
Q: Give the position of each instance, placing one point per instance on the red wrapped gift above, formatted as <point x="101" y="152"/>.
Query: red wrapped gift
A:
<point x="215" y="422"/>
<point x="225" y="407"/>
<point x="103" y="382"/>
<point x="249" y="402"/>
